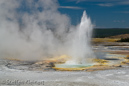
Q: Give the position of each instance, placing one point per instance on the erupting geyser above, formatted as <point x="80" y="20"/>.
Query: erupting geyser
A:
<point x="81" y="49"/>
<point x="38" y="31"/>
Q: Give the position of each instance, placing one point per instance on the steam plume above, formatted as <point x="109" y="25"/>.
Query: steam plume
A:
<point x="35" y="29"/>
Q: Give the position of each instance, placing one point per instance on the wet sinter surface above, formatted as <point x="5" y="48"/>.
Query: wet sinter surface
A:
<point x="13" y="73"/>
<point x="113" y="77"/>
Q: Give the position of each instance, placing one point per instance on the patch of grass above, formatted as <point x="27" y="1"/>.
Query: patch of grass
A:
<point x="98" y="40"/>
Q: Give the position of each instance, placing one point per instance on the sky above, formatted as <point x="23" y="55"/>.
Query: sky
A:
<point x="103" y="13"/>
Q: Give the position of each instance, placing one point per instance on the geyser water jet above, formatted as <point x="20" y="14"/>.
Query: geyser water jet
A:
<point x="81" y="46"/>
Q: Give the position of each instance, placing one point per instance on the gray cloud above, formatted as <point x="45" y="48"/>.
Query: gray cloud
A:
<point x="106" y="5"/>
<point x="124" y="2"/>
<point x="70" y="7"/>
<point x="125" y="12"/>
<point x="119" y="21"/>
<point x="105" y="2"/>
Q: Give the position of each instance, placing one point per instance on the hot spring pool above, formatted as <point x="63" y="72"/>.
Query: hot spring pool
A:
<point x="73" y="65"/>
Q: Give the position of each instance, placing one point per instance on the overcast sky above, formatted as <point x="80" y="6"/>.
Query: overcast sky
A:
<point x="103" y="13"/>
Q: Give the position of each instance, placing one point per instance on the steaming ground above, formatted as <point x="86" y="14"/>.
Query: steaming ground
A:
<point x="114" y="77"/>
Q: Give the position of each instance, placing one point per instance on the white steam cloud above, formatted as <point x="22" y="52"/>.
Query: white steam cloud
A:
<point x="37" y="32"/>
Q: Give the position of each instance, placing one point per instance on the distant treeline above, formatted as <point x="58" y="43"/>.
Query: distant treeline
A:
<point x="124" y="40"/>
<point x="102" y="33"/>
